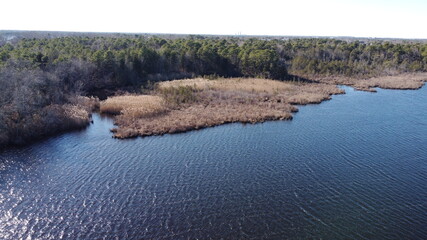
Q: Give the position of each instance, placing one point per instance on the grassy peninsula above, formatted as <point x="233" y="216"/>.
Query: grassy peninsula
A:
<point x="167" y="84"/>
<point x="184" y="105"/>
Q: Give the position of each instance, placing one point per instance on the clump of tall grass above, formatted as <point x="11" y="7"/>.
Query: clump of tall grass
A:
<point x="231" y="84"/>
<point x="134" y="106"/>
<point x="211" y="76"/>
<point x="176" y="96"/>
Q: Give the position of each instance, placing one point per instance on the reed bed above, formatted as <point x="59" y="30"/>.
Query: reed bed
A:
<point x="134" y="106"/>
<point x="310" y="93"/>
<point x="184" y="105"/>
<point x="197" y="117"/>
<point x="231" y="84"/>
<point x="402" y="81"/>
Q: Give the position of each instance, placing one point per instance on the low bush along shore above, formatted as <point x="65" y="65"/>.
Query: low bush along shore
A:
<point x="51" y="119"/>
<point x="183" y="105"/>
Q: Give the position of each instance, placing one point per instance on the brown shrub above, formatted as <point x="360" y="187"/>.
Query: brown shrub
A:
<point x="89" y="104"/>
<point x="51" y="119"/>
<point x="76" y="115"/>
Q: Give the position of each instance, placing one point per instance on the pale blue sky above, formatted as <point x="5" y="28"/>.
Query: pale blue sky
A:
<point x="358" y="18"/>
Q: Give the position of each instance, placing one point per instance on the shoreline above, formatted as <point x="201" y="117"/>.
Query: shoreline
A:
<point x="185" y="105"/>
<point x="237" y="102"/>
<point x="53" y="120"/>
<point x="231" y="100"/>
<point x="407" y="81"/>
<point x="192" y="104"/>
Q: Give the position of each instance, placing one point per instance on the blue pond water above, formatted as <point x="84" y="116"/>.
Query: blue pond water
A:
<point x="354" y="167"/>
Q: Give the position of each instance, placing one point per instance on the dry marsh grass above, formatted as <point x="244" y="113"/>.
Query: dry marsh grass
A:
<point x="231" y="84"/>
<point x="310" y="93"/>
<point x="184" y="105"/>
<point x="175" y="97"/>
<point x="295" y="93"/>
<point x="198" y="117"/>
<point x="404" y="81"/>
<point x="401" y="81"/>
<point x="134" y="106"/>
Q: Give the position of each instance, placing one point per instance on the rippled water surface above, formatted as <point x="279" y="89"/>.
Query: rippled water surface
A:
<point x="351" y="168"/>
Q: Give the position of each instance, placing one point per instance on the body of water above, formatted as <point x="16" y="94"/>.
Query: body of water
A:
<point x="354" y="167"/>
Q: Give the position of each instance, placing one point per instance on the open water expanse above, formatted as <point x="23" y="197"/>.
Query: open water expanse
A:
<point x="354" y="167"/>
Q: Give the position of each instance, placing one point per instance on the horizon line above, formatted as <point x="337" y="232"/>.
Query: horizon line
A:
<point x="211" y="34"/>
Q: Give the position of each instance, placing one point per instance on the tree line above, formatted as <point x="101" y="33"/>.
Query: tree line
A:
<point x="38" y="75"/>
<point x="113" y="61"/>
<point x="355" y="58"/>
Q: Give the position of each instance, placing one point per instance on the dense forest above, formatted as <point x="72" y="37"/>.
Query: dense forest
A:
<point x="41" y="79"/>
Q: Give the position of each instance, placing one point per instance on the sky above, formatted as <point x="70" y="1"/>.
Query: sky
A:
<point x="356" y="18"/>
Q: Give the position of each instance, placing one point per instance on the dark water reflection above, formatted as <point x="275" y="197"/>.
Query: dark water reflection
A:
<point x="351" y="168"/>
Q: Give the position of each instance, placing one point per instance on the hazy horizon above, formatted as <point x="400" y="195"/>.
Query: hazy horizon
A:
<point x="307" y="18"/>
<point x="207" y="34"/>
